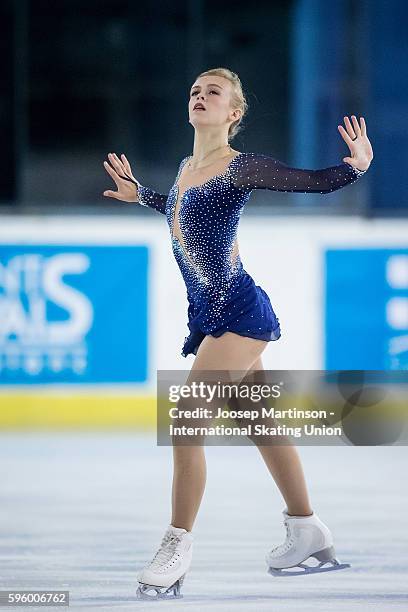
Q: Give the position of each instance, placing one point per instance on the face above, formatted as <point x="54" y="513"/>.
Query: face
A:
<point x="214" y="94"/>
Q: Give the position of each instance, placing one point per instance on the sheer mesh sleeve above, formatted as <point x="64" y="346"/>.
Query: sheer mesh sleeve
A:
<point x="152" y="199"/>
<point x="259" y="171"/>
<point x="148" y="197"/>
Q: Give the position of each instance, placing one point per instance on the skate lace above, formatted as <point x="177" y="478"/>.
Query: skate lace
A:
<point x="166" y="550"/>
<point x="282" y="548"/>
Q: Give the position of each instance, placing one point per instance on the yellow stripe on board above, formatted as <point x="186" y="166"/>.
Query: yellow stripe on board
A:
<point x="19" y="411"/>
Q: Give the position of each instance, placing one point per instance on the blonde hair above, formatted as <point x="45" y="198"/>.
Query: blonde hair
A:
<point x="238" y="99"/>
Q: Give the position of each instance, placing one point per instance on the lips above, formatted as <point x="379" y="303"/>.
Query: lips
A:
<point x="198" y="107"/>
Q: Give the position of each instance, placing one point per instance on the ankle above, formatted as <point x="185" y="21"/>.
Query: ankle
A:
<point x="177" y="525"/>
<point x="303" y="514"/>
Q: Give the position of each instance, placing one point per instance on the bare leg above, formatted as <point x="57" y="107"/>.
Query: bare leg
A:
<point x="285" y="467"/>
<point x="228" y="352"/>
<point x="189" y="477"/>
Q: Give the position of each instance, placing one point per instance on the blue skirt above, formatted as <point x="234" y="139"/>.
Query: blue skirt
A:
<point x="246" y="310"/>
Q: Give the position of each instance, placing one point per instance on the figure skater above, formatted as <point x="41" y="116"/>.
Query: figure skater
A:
<point x="230" y="318"/>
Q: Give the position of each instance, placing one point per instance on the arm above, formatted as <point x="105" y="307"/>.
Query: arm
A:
<point x="259" y="171"/>
<point x="147" y="197"/>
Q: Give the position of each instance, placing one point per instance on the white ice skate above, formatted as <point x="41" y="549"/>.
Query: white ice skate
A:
<point x="164" y="575"/>
<point x="306" y="536"/>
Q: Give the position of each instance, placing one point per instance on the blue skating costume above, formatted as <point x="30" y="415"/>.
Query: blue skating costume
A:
<point x="203" y="223"/>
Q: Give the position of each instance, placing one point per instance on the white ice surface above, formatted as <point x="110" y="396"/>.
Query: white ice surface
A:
<point x="85" y="511"/>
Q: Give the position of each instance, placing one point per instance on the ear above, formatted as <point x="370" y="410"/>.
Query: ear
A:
<point x="235" y="114"/>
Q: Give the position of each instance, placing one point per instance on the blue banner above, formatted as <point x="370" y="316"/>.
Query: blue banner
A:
<point x="366" y="309"/>
<point x="73" y="314"/>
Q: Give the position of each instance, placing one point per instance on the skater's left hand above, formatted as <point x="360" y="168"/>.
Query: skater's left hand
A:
<point x="360" y="148"/>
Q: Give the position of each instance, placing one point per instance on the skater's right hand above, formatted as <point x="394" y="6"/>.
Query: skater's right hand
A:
<point x="121" y="173"/>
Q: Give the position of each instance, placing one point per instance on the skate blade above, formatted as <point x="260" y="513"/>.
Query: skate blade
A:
<point x="150" y="592"/>
<point x="307" y="569"/>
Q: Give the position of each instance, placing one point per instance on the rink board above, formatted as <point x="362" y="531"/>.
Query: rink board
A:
<point x="142" y="286"/>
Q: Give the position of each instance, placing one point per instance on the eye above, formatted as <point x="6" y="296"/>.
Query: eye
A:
<point x="211" y="91"/>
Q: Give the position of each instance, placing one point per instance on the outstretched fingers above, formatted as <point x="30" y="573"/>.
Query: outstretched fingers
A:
<point x="356" y="126"/>
<point x="116" y="178"/>
<point x="349" y="127"/>
<point x="345" y="136"/>
<point x="126" y="164"/>
<point x="112" y="172"/>
<point x="353" y="130"/>
<point x="117" y="164"/>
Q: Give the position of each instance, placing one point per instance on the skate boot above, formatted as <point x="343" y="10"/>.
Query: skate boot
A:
<point x="164" y="575"/>
<point x="306" y="536"/>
